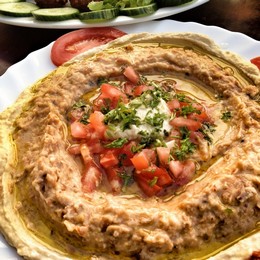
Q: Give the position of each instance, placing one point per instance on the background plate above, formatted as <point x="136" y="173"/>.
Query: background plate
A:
<point x="38" y="64"/>
<point x="120" y="20"/>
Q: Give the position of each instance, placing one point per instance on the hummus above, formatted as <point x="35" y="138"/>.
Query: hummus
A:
<point x="45" y="212"/>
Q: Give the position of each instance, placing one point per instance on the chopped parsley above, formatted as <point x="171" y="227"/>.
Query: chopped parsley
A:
<point x="123" y="116"/>
<point x="207" y="129"/>
<point x="186" y="110"/>
<point x="80" y="104"/>
<point x="153" y="181"/>
<point x="155" y="120"/>
<point x="226" y="116"/>
<point x="151" y="139"/>
<point x="84" y="119"/>
<point x="137" y="148"/>
<point x="118" y="143"/>
<point x="181" y="97"/>
<point x="127" y="178"/>
<point x="186" y="148"/>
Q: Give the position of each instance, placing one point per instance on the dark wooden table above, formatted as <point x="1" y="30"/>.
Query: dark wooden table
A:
<point x="235" y="15"/>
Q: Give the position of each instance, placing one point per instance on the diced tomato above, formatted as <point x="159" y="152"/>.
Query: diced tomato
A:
<point x="202" y="117"/>
<point x="150" y="154"/>
<point x="96" y="119"/>
<point x="131" y="74"/>
<point x="140" y="161"/>
<point x="163" y="155"/>
<point x="113" y="93"/>
<point x="256" y="61"/>
<point x="127" y="154"/>
<point x="114" y="179"/>
<point x="139" y="90"/>
<point x="71" y="44"/>
<point x="163" y="178"/>
<point x="108" y="159"/>
<point x="91" y="178"/>
<point x="79" y="130"/>
<point x="95" y="146"/>
<point x="146" y="186"/>
<point x="176" y="167"/>
<point x="109" y="97"/>
<point x="173" y="104"/>
<point x="192" y="125"/>
<point x="183" y="171"/>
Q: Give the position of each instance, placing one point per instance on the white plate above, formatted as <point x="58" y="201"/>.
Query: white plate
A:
<point x="38" y="63"/>
<point x="120" y="20"/>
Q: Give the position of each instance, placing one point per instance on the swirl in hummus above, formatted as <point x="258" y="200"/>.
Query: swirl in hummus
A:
<point x="55" y="206"/>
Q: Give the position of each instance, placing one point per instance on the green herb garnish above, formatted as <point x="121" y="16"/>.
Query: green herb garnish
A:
<point x="153" y="181"/>
<point x="226" y="116"/>
<point x="80" y="104"/>
<point x="118" y="143"/>
<point x="186" y="110"/>
<point x="123" y="116"/>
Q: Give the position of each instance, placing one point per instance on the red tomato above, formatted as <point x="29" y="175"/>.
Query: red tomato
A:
<point x="146" y="187"/>
<point x="183" y="171"/>
<point x="73" y="43"/>
<point x="138" y="91"/>
<point x="163" y="155"/>
<point x="173" y="104"/>
<point x="91" y="178"/>
<point x="176" y="167"/>
<point x="109" y="97"/>
<point x="131" y="74"/>
<point x="164" y="178"/>
<point x="114" y="179"/>
<point x="185" y="122"/>
<point x="96" y="119"/>
<point x="108" y="159"/>
<point x="127" y="151"/>
<point x="256" y="61"/>
<point x="140" y="161"/>
<point x="113" y="93"/>
<point x="78" y="130"/>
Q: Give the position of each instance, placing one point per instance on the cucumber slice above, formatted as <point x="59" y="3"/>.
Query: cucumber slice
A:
<point x="99" y="16"/>
<point x="22" y="9"/>
<point x="139" y="11"/>
<point x="55" y="14"/>
<point x="165" y="3"/>
<point x="10" y="1"/>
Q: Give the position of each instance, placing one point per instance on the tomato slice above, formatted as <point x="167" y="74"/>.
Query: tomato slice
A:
<point x="256" y="61"/>
<point x="73" y="43"/>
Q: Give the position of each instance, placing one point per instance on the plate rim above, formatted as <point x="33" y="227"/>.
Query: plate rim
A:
<point x="120" y="20"/>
